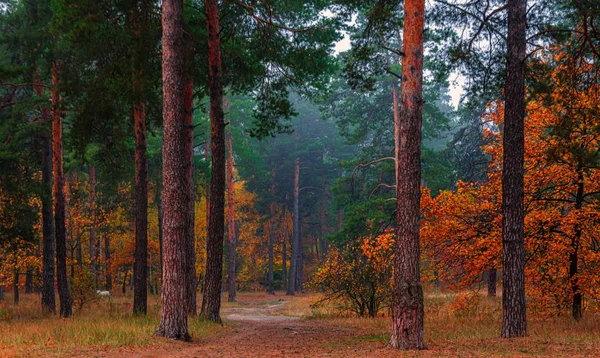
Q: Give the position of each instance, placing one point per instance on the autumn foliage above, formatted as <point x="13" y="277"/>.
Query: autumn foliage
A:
<point x="462" y="228"/>
<point x="359" y="275"/>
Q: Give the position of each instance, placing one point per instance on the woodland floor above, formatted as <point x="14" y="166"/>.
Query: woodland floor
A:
<point x="261" y="325"/>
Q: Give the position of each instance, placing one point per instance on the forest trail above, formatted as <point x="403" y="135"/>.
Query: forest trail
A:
<point x="267" y="326"/>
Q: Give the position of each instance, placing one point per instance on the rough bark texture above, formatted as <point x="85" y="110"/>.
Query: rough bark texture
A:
<point x="407" y="293"/>
<point x="59" y="199"/>
<point x="140" y="278"/>
<point x="270" y="278"/>
<point x="173" y="323"/>
<point x="231" y="276"/>
<point x="291" y="289"/>
<point x="191" y="280"/>
<point x="491" y="282"/>
<point x="211" y="299"/>
<point x="48" y="297"/>
<point x="514" y="321"/>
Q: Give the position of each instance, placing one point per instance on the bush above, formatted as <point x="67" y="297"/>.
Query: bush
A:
<point x="82" y="288"/>
<point x="359" y="275"/>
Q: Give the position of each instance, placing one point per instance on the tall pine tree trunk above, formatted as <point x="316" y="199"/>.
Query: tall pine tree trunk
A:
<point x="107" y="269"/>
<point x="92" y="247"/>
<point x="140" y="274"/>
<point x="231" y="276"/>
<point x="291" y="289"/>
<point x="270" y="278"/>
<point x="173" y="323"/>
<point x="407" y="292"/>
<point x="48" y="297"/>
<point x="284" y="272"/>
<point x="577" y="300"/>
<point x="514" y="318"/>
<point x="59" y="199"/>
<point x="16" y="286"/>
<point x="211" y="299"/>
<point x="191" y="280"/>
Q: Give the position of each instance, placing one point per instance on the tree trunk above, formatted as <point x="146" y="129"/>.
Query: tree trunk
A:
<point x="59" y="199"/>
<point x="160" y="226"/>
<point x="270" y="278"/>
<point x="284" y="260"/>
<point x="108" y="275"/>
<point x="211" y="300"/>
<point x="323" y="242"/>
<point x="173" y="323"/>
<point x="407" y="292"/>
<point x="514" y="318"/>
<point x="16" y="287"/>
<point x="124" y="288"/>
<point x="140" y="274"/>
<point x="92" y="247"/>
<point x="29" y="280"/>
<point x="577" y="303"/>
<point x="231" y="277"/>
<point x="191" y="279"/>
<point x="296" y="240"/>
<point x="48" y="297"/>
<point x="491" y="282"/>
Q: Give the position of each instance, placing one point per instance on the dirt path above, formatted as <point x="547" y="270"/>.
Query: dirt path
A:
<point x="264" y="329"/>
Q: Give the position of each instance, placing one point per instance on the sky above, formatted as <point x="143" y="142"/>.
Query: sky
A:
<point x="456" y="82"/>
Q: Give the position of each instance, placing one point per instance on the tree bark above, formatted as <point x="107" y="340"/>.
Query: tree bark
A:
<point x="107" y="273"/>
<point x="16" y="287"/>
<point x="291" y="289"/>
<point x="92" y="248"/>
<point x="48" y="297"/>
<point x="211" y="299"/>
<point x="514" y="320"/>
<point x="577" y="300"/>
<point x="284" y="260"/>
<point x="140" y="274"/>
<point x="407" y="292"/>
<point x="59" y="199"/>
<point x="270" y="275"/>
<point x="29" y="280"/>
<point x="231" y="277"/>
<point x="191" y="279"/>
<point x="173" y="323"/>
<point x="491" y="282"/>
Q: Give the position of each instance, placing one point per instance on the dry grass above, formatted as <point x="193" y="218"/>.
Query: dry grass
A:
<point x="474" y="331"/>
<point x="104" y="324"/>
<point x="456" y="330"/>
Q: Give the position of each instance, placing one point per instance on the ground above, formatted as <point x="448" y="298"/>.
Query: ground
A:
<point x="262" y="325"/>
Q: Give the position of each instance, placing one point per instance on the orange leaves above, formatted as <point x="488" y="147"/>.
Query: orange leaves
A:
<point x="461" y="231"/>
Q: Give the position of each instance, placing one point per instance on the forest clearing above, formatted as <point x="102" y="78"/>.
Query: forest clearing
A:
<point x="269" y="178"/>
<point x="263" y="325"/>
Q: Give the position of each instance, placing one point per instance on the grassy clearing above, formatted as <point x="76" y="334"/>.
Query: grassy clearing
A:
<point x="105" y="324"/>
<point x="453" y="329"/>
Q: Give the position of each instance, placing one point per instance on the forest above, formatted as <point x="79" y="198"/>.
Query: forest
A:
<point x="282" y="178"/>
